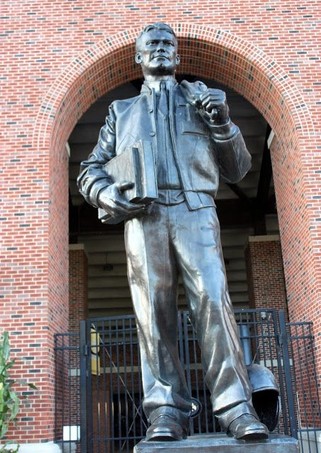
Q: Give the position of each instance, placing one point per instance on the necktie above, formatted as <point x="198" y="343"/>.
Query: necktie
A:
<point x="162" y="103"/>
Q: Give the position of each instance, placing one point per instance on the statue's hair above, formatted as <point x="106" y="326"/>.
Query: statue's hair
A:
<point x="155" y="26"/>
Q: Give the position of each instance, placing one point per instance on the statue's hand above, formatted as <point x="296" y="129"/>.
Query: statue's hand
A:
<point x="113" y="201"/>
<point x="213" y="107"/>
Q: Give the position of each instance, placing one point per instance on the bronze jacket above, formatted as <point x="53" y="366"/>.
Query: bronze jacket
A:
<point x="201" y="151"/>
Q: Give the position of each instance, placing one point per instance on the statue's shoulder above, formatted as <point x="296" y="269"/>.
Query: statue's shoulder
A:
<point x="121" y="105"/>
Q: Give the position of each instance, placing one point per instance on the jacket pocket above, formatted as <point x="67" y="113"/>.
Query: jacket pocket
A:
<point x="189" y="121"/>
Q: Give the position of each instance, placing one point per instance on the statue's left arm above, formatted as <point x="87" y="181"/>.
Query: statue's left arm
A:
<point x="233" y="158"/>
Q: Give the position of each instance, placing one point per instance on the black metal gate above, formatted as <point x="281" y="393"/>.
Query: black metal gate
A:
<point x="101" y="374"/>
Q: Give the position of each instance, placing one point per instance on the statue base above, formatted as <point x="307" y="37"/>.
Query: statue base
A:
<point x="220" y="443"/>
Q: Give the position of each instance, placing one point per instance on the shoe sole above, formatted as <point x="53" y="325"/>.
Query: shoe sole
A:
<point x="254" y="436"/>
<point x="163" y="437"/>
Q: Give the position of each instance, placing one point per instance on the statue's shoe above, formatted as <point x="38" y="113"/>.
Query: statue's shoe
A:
<point x="248" y="427"/>
<point x="165" y="428"/>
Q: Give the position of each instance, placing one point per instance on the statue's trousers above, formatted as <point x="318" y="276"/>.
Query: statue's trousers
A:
<point x="169" y="241"/>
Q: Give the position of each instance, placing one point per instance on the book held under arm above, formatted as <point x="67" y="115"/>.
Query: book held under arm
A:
<point x="135" y="164"/>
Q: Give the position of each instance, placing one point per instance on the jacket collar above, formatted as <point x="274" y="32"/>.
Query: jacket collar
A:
<point x="148" y="87"/>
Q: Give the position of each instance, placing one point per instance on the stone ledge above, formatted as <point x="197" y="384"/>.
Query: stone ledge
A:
<point x="265" y="238"/>
<point x="220" y="443"/>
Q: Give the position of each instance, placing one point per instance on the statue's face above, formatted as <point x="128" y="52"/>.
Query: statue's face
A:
<point x="157" y="53"/>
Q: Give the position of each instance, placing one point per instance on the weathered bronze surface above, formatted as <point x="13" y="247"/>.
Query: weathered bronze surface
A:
<point x="194" y="144"/>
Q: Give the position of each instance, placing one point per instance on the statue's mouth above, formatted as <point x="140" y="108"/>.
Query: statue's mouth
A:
<point x="162" y="57"/>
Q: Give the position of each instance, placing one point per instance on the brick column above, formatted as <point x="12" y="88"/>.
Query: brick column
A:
<point x="265" y="272"/>
<point x="78" y="287"/>
<point x="68" y="361"/>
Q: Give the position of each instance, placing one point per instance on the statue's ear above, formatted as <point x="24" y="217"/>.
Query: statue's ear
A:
<point x="138" y="58"/>
<point x="178" y="59"/>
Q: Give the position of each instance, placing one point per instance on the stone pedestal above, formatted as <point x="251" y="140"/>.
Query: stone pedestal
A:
<point x="220" y="443"/>
<point x="48" y="447"/>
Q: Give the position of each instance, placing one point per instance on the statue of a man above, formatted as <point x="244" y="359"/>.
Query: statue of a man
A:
<point x="194" y="143"/>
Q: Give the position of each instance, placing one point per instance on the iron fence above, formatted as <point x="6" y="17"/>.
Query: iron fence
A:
<point x="98" y="380"/>
<point x="67" y="392"/>
<point x="305" y="386"/>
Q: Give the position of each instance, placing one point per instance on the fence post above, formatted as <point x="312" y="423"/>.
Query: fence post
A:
<point x="284" y="344"/>
<point x="83" y="385"/>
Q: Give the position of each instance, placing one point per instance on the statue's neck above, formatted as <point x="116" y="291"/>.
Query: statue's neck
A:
<point x="151" y="78"/>
<point x="154" y="82"/>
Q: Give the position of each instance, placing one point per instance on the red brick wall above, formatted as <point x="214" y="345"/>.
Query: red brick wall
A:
<point x="265" y="273"/>
<point x="78" y="287"/>
<point x="57" y="59"/>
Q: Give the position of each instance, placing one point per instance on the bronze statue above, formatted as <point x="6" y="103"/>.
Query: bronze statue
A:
<point x="194" y="143"/>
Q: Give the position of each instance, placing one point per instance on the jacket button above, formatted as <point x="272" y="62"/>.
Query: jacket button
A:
<point x="151" y="111"/>
<point x="152" y="134"/>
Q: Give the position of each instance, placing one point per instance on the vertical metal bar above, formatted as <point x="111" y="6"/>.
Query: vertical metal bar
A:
<point x="90" y="422"/>
<point x="69" y="391"/>
<point x="196" y="371"/>
<point x="104" y="380"/>
<point x="96" y="400"/>
<point x="56" y="387"/>
<point x="57" y="382"/>
<point x="132" y="375"/>
<point x="64" y="377"/>
<point x="140" y="390"/>
<point x="180" y="337"/>
<point x="246" y="343"/>
<point x="297" y="366"/>
<point x="280" y="368"/>
<point x="287" y="373"/>
<point x="126" y="389"/>
<point x="83" y="386"/>
<point x="111" y="387"/>
<point x="268" y="335"/>
<point x="316" y="407"/>
<point x="311" y="400"/>
<point x="119" y="408"/>
<point x="184" y="337"/>
<point x="77" y="387"/>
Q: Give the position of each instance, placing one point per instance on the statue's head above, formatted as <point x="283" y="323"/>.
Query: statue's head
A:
<point x="156" y="50"/>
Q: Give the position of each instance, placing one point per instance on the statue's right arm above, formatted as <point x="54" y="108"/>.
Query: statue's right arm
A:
<point x="93" y="182"/>
<point x="92" y="178"/>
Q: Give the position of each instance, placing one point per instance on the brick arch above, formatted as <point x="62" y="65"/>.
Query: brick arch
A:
<point x="205" y="52"/>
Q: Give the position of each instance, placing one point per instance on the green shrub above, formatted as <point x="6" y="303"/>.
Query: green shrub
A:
<point x="9" y="401"/>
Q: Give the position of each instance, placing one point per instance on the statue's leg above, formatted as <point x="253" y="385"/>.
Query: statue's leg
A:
<point x="152" y="276"/>
<point x="203" y="272"/>
<point x="198" y="248"/>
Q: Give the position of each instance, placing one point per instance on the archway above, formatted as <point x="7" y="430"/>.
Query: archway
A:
<point x="206" y="52"/>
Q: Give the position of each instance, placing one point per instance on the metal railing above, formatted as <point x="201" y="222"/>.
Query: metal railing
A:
<point x="98" y="380"/>
<point x="67" y="391"/>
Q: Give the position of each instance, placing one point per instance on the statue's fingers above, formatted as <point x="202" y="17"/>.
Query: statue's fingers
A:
<point x="124" y="185"/>
<point x="210" y="106"/>
<point x="212" y="94"/>
<point x="128" y="206"/>
<point x="211" y="103"/>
